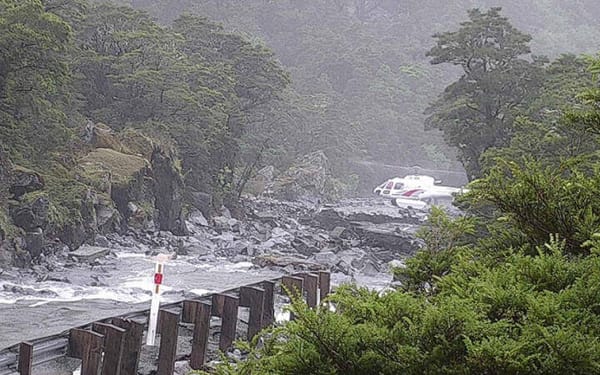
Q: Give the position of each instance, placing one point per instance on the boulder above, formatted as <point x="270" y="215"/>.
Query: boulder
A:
<point x="286" y="261"/>
<point x="327" y="258"/>
<point x="197" y="218"/>
<point x="34" y="242"/>
<point x="101" y="136"/>
<point x="305" y="180"/>
<point x="23" y="181"/>
<point x="388" y="237"/>
<point x="168" y="192"/>
<point x="329" y="219"/>
<point x="102" y="241"/>
<point x="261" y="182"/>
<point x="122" y="177"/>
<point x="32" y="213"/>
<point x="201" y="201"/>
<point x="73" y="235"/>
<point x="88" y="254"/>
<point x="304" y="246"/>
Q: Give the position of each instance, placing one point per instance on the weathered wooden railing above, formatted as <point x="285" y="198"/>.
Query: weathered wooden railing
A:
<point x="113" y="346"/>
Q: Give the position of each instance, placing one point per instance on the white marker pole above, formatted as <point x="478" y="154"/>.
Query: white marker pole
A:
<point x="158" y="277"/>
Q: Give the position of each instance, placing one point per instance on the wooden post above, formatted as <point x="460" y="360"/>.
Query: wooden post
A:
<point x="268" y="317"/>
<point x="132" y="345"/>
<point x="201" y="331"/>
<point x="324" y="284"/>
<point x="228" y="322"/>
<point x="25" y="358"/>
<point x="87" y="346"/>
<point x="113" y="347"/>
<point x="294" y="286"/>
<point x="188" y="312"/>
<point x="218" y="300"/>
<point x="310" y="285"/>
<point x="168" y="342"/>
<point x="253" y="298"/>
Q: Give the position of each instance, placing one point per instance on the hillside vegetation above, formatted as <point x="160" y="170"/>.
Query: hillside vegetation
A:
<point x="107" y="116"/>
<point x="361" y="79"/>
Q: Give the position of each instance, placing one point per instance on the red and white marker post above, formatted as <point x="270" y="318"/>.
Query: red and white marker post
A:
<point x="158" y="279"/>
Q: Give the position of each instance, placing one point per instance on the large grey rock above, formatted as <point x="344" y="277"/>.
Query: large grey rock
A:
<point x="306" y="179"/>
<point x="304" y="246"/>
<point x="88" y="253"/>
<point x="285" y="261"/>
<point x="261" y="182"/>
<point x="24" y="181"/>
<point x="329" y="219"/>
<point x="388" y="237"/>
<point x="202" y="201"/>
<point x="168" y="191"/>
<point x="102" y="241"/>
<point x="33" y="214"/>
<point x="35" y="242"/>
<point x="197" y="218"/>
<point x="327" y="258"/>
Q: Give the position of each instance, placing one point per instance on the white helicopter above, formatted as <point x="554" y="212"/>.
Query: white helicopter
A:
<point x="411" y="188"/>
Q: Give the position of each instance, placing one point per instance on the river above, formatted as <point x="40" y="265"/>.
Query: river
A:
<point x="73" y="294"/>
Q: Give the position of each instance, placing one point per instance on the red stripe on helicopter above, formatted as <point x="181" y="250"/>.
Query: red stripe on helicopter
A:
<point x="412" y="192"/>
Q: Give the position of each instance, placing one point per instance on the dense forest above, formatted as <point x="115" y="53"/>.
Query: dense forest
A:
<point x="363" y="64"/>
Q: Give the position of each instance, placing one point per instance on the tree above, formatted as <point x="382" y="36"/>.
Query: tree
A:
<point x="34" y="77"/>
<point x="541" y="129"/>
<point x="477" y="112"/>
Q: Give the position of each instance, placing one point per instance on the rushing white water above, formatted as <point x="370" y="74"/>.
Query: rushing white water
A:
<point x="30" y="309"/>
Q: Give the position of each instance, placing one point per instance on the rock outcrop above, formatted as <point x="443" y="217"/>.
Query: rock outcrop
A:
<point x="168" y="192"/>
<point x="305" y="180"/>
<point x="123" y="182"/>
<point x="24" y="180"/>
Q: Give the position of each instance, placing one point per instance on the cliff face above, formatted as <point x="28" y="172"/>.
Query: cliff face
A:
<point x="119" y="182"/>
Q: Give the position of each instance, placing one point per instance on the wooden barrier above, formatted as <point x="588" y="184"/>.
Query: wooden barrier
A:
<point x="324" y="284"/>
<point x="201" y="332"/>
<point x="25" y="358"/>
<point x="218" y="301"/>
<point x="293" y="287"/>
<point x="253" y="298"/>
<point x="188" y="311"/>
<point x="310" y="286"/>
<point x="229" y="319"/>
<point x="113" y="347"/>
<point x="168" y="342"/>
<point x="87" y="346"/>
<point x="132" y="345"/>
<point x="268" y="317"/>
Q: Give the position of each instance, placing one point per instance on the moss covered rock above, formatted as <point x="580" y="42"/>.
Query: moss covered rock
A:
<point x="24" y="180"/>
<point x="123" y="168"/>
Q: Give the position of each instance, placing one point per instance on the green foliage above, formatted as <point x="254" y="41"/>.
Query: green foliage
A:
<point x="33" y="79"/>
<point x="445" y="240"/>
<point x="534" y="314"/>
<point x="544" y="201"/>
<point x="477" y="112"/>
<point x="547" y="129"/>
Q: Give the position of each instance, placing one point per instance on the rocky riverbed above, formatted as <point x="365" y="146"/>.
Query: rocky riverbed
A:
<point x="358" y="240"/>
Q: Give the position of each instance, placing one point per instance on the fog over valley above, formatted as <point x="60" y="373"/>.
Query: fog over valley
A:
<point x="299" y="187"/>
